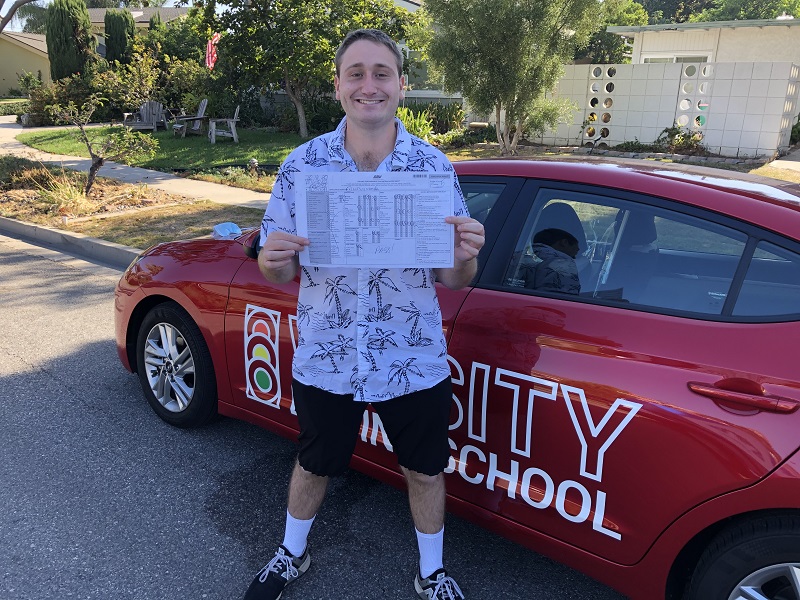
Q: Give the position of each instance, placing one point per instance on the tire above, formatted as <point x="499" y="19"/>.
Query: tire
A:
<point x="760" y="556"/>
<point x="178" y="382"/>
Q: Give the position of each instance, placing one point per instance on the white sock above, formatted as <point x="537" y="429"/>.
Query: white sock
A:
<point x="430" y="552"/>
<point x="294" y="539"/>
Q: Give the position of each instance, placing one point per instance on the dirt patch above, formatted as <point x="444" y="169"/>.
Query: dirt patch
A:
<point x="133" y="215"/>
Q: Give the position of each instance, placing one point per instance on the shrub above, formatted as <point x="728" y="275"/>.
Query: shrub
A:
<point x="419" y="124"/>
<point x="637" y="146"/>
<point x="459" y="138"/>
<point x="323" y="114"/>
<point x="678" y="140"/>
<point x="445" y="117"/>
<point x="286" y="117"/>
<point x="795" y="135"/>
<point x="13" y="108"/>
<point x="29" y="82"/>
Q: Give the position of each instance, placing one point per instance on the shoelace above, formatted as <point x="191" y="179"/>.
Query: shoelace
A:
<point x="447" y="587"/>
<point x="280" y="564"/>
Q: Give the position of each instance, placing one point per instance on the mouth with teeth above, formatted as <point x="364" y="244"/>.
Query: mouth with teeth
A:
<point x="370" y="102"/>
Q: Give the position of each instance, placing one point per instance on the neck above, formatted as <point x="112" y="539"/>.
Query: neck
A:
<point x="369" y="148"/>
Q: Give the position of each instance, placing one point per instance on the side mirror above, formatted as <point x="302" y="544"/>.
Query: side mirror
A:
<point x="252" y="245"/>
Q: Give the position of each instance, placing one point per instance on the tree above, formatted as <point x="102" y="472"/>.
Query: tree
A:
<point x="70" y="42"/>
<point x="119" y="144"/>
<point x="33" y="17"/>
<point x="120" y="30"/>
<point x="134" y="83"/>
<point x="505" y="55"/>
<point x="604" y="47"/>
<point x="674" y="11"/>
<point x="13" y="7"/>
<point x="155" y="22"/>
<point x="738" y="10"/>
<point x="290" y="44"/>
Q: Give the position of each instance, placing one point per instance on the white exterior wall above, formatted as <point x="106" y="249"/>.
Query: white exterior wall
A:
<point x="743" y="109"/>
<point x="726" y="44"/>
<point x="676" y="43"/>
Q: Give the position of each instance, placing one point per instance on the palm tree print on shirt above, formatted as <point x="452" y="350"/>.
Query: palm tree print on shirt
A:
<point x="423" y="272"/>
<point x="376" y="280"/>
<point x="401" y="370"/>
<point x="415" y="339"/>
<point x="341" y="318"/>
<point x="337" y="348"/>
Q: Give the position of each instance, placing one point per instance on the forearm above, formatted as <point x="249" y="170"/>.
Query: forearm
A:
<point x="459" y="275"/>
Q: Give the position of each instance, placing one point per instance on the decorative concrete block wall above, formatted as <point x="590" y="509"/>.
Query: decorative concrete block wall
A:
<point x="742" y="109"/>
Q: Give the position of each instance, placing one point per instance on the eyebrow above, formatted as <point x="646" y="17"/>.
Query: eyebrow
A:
<point x="361" y="65"/>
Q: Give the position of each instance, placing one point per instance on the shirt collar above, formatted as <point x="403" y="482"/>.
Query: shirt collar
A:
<point x="398" y="159"/>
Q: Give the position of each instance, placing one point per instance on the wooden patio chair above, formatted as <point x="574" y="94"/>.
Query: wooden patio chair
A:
<point x="149" y="116"/>
<point x="225" y="127"/>
<point x="191" y="123"/>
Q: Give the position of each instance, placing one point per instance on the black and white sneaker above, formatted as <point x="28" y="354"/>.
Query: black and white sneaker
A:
<point x="283" y="569"/>
<point x="437" y="587"/>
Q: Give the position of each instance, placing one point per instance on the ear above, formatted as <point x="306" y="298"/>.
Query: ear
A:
<point x="336" y="85"/>
<point x="402" y="87"/>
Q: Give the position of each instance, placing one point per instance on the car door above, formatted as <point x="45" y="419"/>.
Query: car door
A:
<point x="599" y="415"/>
<point x="261" y="329"/>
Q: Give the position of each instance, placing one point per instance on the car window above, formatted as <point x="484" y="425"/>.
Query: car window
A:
<point x="481" y="198"/>
<point x="772" y="284"/>
<point x="582" y="245"/>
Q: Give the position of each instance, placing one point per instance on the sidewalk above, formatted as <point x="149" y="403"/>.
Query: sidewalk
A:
<point x="107" y="252"/>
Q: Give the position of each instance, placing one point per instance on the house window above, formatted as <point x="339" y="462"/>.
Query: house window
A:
<point x="675" y="59"/>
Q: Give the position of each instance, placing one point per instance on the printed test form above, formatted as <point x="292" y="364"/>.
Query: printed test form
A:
<point x="369" y="219"/>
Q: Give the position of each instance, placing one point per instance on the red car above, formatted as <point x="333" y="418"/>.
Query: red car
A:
<point x="631" y="410"/>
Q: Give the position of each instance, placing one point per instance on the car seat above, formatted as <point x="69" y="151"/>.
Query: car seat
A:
<point x="636" y="257"/>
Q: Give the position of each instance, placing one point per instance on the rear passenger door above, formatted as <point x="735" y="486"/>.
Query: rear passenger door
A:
<point x="600" y="414"/>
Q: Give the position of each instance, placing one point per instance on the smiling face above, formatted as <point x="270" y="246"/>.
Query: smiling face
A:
<point x="368" y="85"/>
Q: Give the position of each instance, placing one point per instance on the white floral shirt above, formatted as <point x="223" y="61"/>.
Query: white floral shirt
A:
<point x="373" y="333"/>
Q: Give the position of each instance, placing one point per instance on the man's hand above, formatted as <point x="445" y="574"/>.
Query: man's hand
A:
<point x="469" y="239"/>
<point x="277" y="259"/>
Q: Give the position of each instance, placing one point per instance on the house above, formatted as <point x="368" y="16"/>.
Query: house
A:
<point x="21" y="52"/>
<point x="735" y="82"/>
<point x="141" y="20"/>
<point x="762" y="40"/>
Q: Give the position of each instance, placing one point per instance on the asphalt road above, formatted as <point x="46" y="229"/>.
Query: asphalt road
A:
<point x="103" y="501"/>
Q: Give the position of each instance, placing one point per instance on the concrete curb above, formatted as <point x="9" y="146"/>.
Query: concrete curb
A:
<point x="109" y="253"/>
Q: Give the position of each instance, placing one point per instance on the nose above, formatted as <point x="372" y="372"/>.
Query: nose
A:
<point x="369" y="87"/>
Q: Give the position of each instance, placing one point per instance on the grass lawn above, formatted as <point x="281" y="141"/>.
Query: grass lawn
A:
<point x="192" y="152"/>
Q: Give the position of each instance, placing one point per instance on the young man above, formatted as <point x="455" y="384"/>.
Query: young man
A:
<point x="553" y="267"/>
<point x="351" y="307"/>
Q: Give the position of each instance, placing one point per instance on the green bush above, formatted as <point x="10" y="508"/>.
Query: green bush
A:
<point x="323" y="114"/>
<point x="13" y="108"/>
<point x="445" y="117"/>
<point x="286" y="117"/>
<point x="795" y="135"/>
<point x="678" y="140"/>
<point x="419" y="124"/>
<point x="459" y="138"/>
<point x="29" y="81"/>
<point x="637" y="146"/>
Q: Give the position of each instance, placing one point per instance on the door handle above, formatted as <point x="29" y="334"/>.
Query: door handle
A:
<point x="765" y="402"/>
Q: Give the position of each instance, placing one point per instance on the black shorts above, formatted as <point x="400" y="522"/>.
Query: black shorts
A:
<point x="416" y="425"/>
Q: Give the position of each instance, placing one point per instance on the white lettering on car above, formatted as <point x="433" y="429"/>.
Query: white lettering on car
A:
<point x="473" y="400"/>
<point x="621" y="412"/>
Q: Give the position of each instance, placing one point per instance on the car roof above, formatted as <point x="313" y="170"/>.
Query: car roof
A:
<point x="770" y="203"/>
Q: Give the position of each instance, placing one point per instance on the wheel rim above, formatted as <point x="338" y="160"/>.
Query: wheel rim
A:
<point x="170" y="367"/>
<point x="776" y="582"/>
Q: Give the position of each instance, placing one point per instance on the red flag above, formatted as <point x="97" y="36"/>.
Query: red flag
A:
<point x="211" y="51"/>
